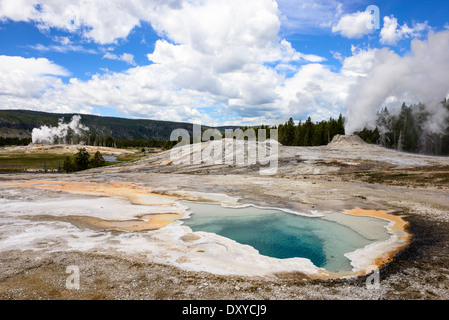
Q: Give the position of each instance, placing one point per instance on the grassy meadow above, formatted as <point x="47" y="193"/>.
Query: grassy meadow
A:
<point x="51" y="158"/>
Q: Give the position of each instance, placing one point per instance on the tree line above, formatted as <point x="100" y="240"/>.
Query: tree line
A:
<point x="14" y="141"/>
<point x="305" y="133"/>
<point x="97" y="140"/>
<point x="308" y="133"/>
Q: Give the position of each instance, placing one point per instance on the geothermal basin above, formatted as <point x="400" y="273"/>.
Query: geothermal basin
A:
<point x="220" y="236"/>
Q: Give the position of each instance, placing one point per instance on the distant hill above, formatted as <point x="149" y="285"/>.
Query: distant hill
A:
<point x="20" y="123"/>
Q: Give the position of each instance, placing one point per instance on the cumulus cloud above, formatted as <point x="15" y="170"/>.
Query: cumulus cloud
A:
<point x="354" y="25"/>
<point x="392" y="32"/>
<point x="28" y="77"/>
<point x="213" y="53"/>
<point x="289" y="54"/>
<point x="359" y="63"/>
<point x="314" y="91"/>
<point x="20" y="10"/>
<point x="35" y="84"/>
<point x="219" y="49"/>
<point x="306" y="16"/>
<point x="390" y="79"/>
<point x="223" y="56"/>
<point x="218" y="53"/>
<point x="101" y="21"/>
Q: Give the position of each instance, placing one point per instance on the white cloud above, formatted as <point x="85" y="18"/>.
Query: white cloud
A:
<point x="314" y="91"/>
<point x="391" y="32"/>
<point x="63" y="48"/>
<point x="337" y="55"/>
<point x="62" y="40"/>
<point x="102" y="21"/>
<point x="225" y="55"/>
<point x="359" y="64"/>
<point x="17" y="10"/>
<point x="27" y="78"/>
<point x="354" y="25"/>
<point x="307" y="16"/>
<point x="220" y="48"/>
<point x="33" y="66"/>
<point x="126" y="57"/>
<point x="289" y="54"/>
<point x="215" y="54"/>
<point x="35" y="84"/>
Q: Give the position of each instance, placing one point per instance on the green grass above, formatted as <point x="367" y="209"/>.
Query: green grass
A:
<point x="130" y="157"/>
<point x="17" y="162"/>
<point x="22" y="162"/>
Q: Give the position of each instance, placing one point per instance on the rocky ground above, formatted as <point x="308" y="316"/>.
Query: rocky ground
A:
<point x="342" y="175"/>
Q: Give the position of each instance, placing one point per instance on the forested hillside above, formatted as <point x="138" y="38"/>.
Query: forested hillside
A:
<point x="16" y="127"/>
<point x="20" y="123"/>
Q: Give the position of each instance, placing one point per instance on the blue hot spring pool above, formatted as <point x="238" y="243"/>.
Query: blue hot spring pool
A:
<point x="279" y="234"/>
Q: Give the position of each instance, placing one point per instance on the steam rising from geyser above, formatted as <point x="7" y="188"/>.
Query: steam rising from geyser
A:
<point x="420" y="76"/>
<point x="59" y="134"/>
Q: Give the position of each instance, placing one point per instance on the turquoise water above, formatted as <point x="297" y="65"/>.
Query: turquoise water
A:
<point x="282" y="235"/>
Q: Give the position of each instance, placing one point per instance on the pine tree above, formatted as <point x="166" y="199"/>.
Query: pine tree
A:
<point x="340" y="125"/>
<point x="97" y="160"/>
<point x="82" y="159"/>
<point x="68" y="166"/>
<point x="290" y="132"/>
<point x="308" y="132"/>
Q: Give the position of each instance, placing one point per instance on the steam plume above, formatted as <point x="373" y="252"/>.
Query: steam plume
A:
<point x="421" y="76"/>
<point x="59" y="134"/>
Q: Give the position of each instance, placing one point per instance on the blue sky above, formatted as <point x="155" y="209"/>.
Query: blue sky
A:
<point x="216" y="61"/>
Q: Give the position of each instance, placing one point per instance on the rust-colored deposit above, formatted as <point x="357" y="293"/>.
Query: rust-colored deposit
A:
<point x="398" y="227"/>
<point x="135" y="194"/>
<point x="142" y="223"/>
